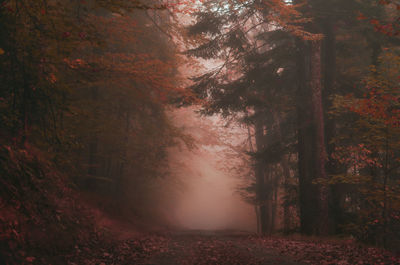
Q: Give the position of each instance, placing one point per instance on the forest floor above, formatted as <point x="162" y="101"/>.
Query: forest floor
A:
<point x="226" y="247"/>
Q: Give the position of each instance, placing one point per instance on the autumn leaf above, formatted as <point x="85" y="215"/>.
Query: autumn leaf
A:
<point x="30" y="259"/>
<point x="361" y="16"/>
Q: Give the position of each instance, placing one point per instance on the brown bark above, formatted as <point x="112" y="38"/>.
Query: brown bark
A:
<point x="256" y="206"/>
<point x="93" y="147"/>
<point x="268" y="195"/>
<point x="286" y="207"/>
<point x="306" y="144"/>
<point x="284" y="164"/>
<point x="332" y="168"/>
<point x="320" y="157"/>
<point x="260" y="178"/>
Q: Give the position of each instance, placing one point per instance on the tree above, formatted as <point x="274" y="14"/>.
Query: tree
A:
<point x="370" y="159"/>
<point x="81" y="83"/>
<point x="296" y="54"/>
<point x="239" y="33"/>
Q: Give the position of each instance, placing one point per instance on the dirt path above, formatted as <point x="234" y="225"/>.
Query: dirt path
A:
<point x="216" y="248"/>
<point x="223" y="247"/>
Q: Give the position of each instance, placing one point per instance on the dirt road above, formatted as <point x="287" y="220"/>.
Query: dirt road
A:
<point x="225" y="247"/>
<point x="200" y="247"/>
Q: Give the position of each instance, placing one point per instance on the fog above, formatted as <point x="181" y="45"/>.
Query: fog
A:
<point x="208" y="199"/>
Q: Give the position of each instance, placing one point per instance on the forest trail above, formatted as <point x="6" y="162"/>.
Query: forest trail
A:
<point x="226" y="247"/>
<point x="216" y="247"/>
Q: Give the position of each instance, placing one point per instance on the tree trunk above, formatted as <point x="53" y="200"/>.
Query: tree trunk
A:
<point x="93" y="146"/>
<point x="320" y="156"/>
<point x="306" y="144"/>
<point x="332" y="167"/>
<point x="274" y="207"/>
<point x="284" y="164"/>
<point x="256" y="205"/>
<point x="286" y="206"/>
<point x="92" y="163"/>
<point x="260" y="178"/>
<point x="268" y="195"/>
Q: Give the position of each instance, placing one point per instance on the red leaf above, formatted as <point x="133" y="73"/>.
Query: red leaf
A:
<point x="361" y="16"/>
<point x="30" y="259"/>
